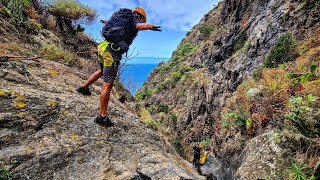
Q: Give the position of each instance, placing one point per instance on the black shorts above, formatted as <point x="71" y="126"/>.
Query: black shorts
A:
<point x="109" y="62"/>
<point x="109" y="72"/>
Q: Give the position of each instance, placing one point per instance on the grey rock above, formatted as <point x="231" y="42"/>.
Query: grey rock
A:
<point x="48" y="132"/>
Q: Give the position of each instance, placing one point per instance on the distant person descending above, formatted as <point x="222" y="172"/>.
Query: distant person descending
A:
<point x="119" y="33"/>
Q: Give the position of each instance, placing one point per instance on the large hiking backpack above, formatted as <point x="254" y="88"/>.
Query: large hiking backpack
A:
<point x="117" y="28"/>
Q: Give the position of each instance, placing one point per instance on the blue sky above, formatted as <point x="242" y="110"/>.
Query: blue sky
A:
<point x="176" y="17"/>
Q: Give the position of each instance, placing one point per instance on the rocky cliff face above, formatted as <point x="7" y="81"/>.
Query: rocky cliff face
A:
<point x="47" y="129"/>
<point x="48" y="132"/>
<point x="186" y="95"/>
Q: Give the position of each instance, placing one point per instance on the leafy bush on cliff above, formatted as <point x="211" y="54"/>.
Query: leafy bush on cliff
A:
<point x="162" y="108"/>
<point x="286" y="95"/>
<point x="173" y="78"/>
<point x="283" y="51"/>
<point x="146" y="92"/>
<point x="206" y="142"/>
<point x="247" y="45"/>
<point x="15" y="8"/>
<point x="206" y="30"/>
<point x="184" y="50"/>
<point x="173" y="119"/>
<point x="167" y="83"/>
<point x="240" y="42"/>
<point x="180" y="54"/>
<point x="56" y="52"/>
<point x="297" y="171"/>
<point x="72" y="10"/>
<point x="178" y="146"/>
<point x="5" y="174"/>
<point x="33" y="26"/>
<point x="238" y="119"/>
<point x="152" y="123"/>
<point x="257" y="73"/>
<point x="302" y="114"/>
<point x="165" y="68"/>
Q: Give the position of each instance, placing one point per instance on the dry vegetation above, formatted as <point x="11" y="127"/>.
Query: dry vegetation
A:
<point x="285" y="97"/>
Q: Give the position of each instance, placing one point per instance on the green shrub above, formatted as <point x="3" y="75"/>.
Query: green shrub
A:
<point x="248" y="123"/>
<point x="206" y="142"/>
<point x="237" y="119"/>
<point x="146" y="92"/>
<point x="151" y="110"/>
<point x="283" y="51"/>
<point x="274" y="136"/>
<point x="164" y="69"/>
<point x="313" y="69"/>
<point x="152" y="123"/>
<point x="173" y="118"/>
<point x="257" y="73"/>
<point x="162" y="108"/>
<point x="181" y="71"/>
<point x="183" y="81"/>
<point x="33" y="26"/>
<point x="302" y="115"/>
<point x="5" y="174"/>
<point x="173" y="79"/>
<point x="206" y="30"/>
<point x="166" y="84"/>
<point x="52" y="49"/>
<point x="72" y="10"/>
<point x="15" y="8"/>
<point x="178" y="146"/>
<point x="240" y="42"/>
<point x="226" y="124"/>
<point x="180" y="55"/>
<point x="247" y="45"/>
<point x="297" y="171"/>
<point x="185" y="48"/>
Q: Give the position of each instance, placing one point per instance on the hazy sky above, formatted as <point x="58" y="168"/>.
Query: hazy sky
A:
<point x="176" y="17"/>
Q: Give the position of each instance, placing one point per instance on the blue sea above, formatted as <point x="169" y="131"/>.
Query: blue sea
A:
<point x="135" y="72"/>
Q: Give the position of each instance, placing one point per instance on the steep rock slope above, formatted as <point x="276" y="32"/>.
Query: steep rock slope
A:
<point x="47" y="132"/>
<point x="47" y="129"/>
<point x="186" y="95"/>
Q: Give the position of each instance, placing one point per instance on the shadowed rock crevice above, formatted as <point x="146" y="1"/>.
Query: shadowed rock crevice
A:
<point x="229" y="44"/>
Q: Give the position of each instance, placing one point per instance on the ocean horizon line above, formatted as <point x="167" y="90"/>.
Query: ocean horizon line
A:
<point x="154" y="57"/>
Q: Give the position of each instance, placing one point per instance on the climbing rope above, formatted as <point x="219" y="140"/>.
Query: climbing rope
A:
<point x="6" y="58"/>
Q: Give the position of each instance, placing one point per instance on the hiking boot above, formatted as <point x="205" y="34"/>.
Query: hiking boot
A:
<point x="84" y="91"/>
<point x="105" y="121"/>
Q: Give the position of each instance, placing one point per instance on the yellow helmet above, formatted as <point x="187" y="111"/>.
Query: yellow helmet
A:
<point x="201" y="146"/>
<point x="141" y="11"/>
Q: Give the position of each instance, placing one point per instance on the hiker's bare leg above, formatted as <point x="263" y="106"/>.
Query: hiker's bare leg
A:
<point x="104" y="98"/>
<point x="96" y="75"/>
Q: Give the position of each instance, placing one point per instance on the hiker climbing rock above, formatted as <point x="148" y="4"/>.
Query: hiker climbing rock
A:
<point x="119" y="32"/>
<point x="196" y="154"/>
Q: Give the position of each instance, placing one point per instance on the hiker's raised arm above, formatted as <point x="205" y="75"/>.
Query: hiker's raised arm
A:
<point x="145" y="26"/>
